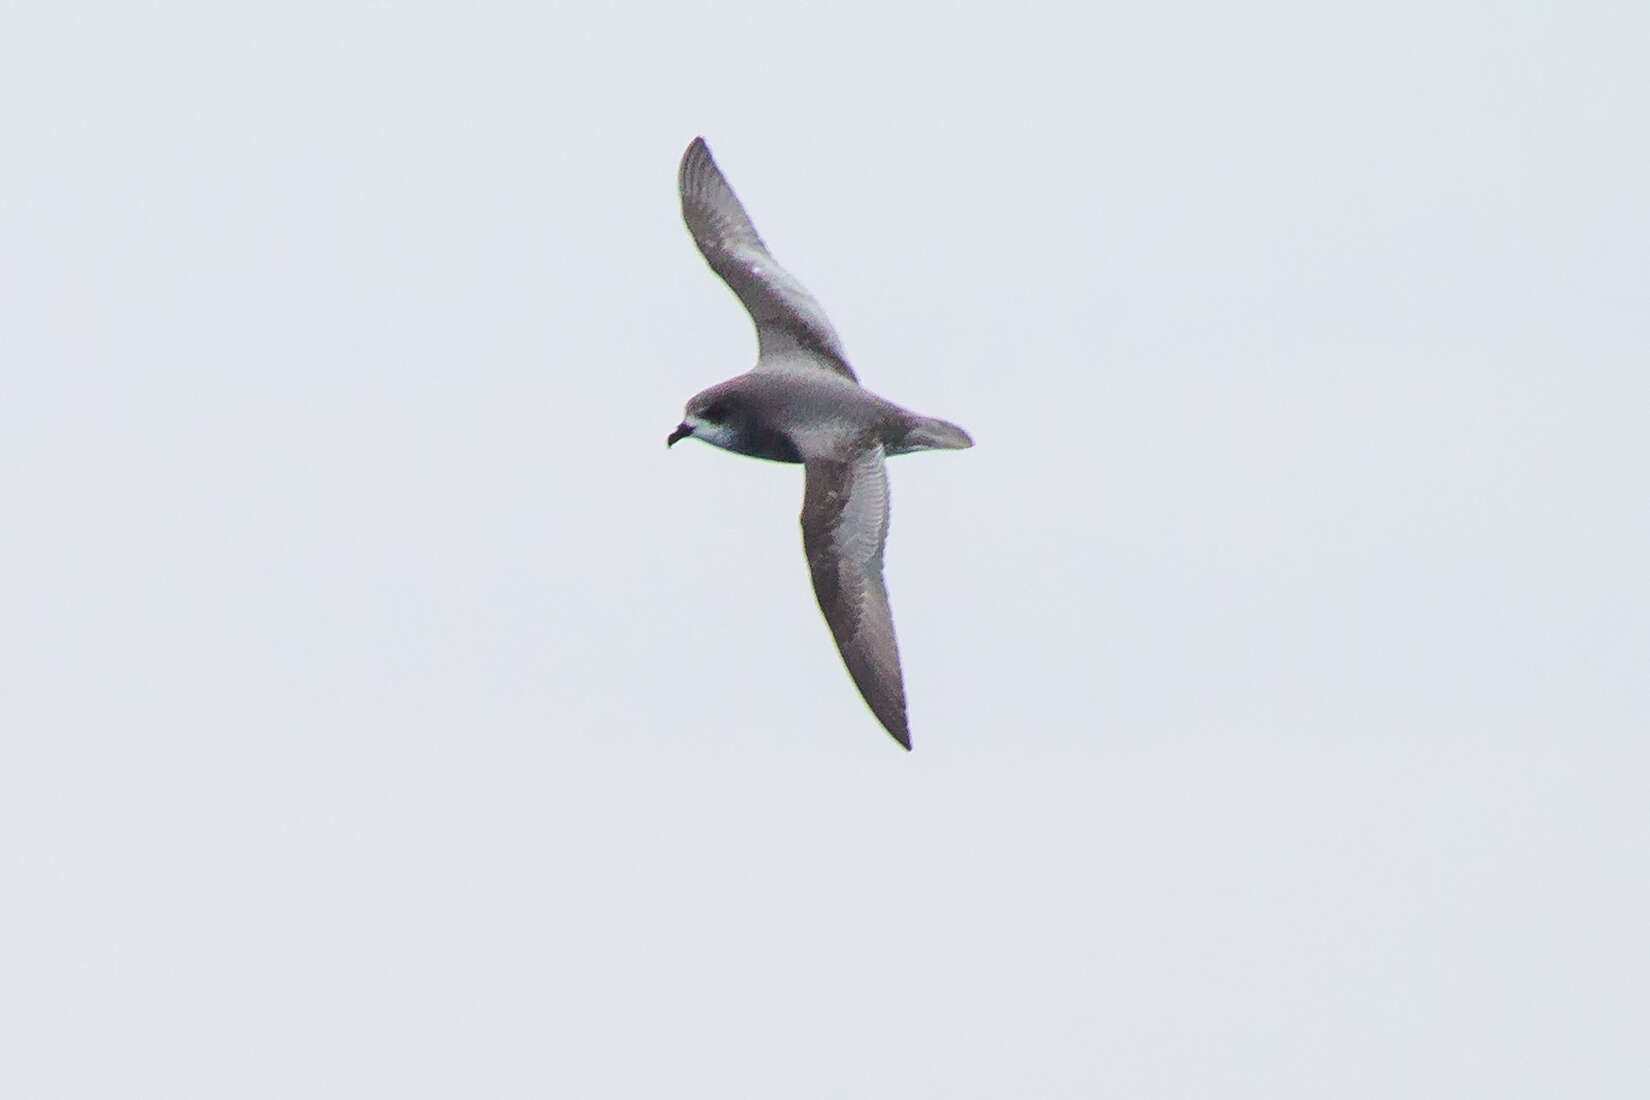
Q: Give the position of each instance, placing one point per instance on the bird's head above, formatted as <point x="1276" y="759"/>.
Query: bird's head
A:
<point x="711" y="416"/>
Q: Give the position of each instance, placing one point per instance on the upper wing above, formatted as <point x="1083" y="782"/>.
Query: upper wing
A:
<point x="786" y="315"/>
<point x="844" y="528"/>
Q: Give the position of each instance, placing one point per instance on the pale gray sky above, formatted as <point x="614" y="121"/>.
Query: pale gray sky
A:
<point x="384" y="711"/>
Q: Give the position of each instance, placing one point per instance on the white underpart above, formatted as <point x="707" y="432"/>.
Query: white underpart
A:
<point x="717" y="435"/>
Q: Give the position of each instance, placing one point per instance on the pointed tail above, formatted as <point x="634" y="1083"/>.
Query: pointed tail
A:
<point x="929" y="434"/>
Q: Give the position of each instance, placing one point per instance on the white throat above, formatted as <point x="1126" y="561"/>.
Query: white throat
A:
<point x="717" y="435"/>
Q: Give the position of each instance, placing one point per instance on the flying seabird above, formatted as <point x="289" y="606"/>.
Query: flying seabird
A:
<point x="803" y="403"/>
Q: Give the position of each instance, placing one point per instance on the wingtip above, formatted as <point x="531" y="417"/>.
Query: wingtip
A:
<point x="697" y="175"/>
<point x="698" y="151"/>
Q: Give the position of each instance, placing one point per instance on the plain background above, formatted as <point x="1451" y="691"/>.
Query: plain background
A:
<point x="385" y="712"/>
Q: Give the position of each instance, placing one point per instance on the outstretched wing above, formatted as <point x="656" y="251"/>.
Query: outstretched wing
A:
<point x="786" y="315"/>
<point x="844" y="528"/>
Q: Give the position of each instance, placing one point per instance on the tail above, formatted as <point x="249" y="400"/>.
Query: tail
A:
<point x="928" y="434"/>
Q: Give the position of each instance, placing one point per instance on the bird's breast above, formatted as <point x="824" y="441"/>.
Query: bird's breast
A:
<point x="761" y="441"/>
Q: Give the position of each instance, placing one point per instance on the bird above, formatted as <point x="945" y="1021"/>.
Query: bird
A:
<point x="802" y="403"/>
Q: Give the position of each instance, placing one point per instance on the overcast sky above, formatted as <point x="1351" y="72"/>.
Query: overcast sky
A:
<point x="385" y="712"/>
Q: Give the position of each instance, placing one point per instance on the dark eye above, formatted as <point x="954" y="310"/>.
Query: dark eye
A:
<point x="716" y="412"/>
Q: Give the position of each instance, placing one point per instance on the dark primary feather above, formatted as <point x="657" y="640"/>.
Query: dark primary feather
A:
<point x="844" y="529"/>
<point x="787" y="317"/>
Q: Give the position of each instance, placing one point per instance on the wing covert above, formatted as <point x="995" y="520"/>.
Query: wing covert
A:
<point x="787" y="317"/>
<point x="844" y="530"/>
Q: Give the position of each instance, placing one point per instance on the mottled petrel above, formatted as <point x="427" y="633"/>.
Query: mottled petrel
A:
<point x="803" y="403"/>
